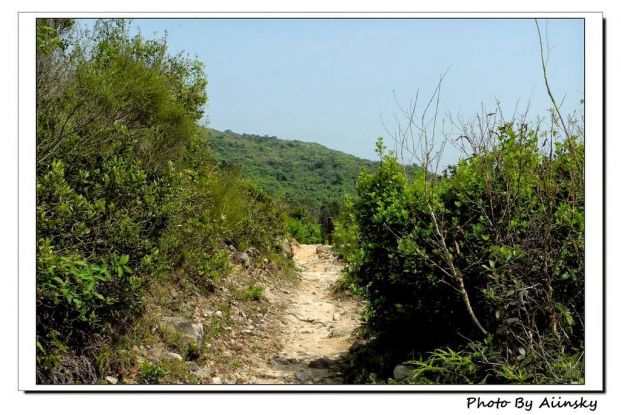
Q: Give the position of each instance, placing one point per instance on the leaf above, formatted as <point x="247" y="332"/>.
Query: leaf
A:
<point x="59" y="280"/>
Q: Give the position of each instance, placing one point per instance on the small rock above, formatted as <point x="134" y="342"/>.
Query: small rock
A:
<point x="322" y="363"/>
<point x="173" y="356"/>
<point x="269" y="295"/>
<point x="112" y="380"/>
<point x="323" y="252"/>
<point x="285" y="248"/>
<point x="336" y="317"/>
<point x="284" y="360"/>
<point x="157" y="352"/>
<point x="244" y="259"/>
<point x="192" y="366"/>
<point x="203" y="373"/>
<point x="305" y="318"/>
<point x="302" y="376"/>
<point x="216" y="380"/>
<point x="190" y="331"/>
<point x="402" y="372"/>
<point x="219" y="314"/>
<point x="230" y="379"/>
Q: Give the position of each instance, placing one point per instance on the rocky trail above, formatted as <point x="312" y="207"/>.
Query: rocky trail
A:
<point x="296" y="331"/>
<point x="316" y="326"/>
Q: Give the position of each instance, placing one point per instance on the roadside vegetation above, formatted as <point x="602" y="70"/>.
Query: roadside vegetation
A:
<point x="129" y="199"/>
<point x="474" y="274"/>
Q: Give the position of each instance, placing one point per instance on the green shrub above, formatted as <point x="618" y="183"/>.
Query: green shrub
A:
<point x="302" y="228"/>
<point x="506" y="224"/>
<point x="127" y="191"/>
<point x="481" y="362"/>
<point x="152" y="373"/>
<point x="347" y="235"/>
<point x="253" y="292"/>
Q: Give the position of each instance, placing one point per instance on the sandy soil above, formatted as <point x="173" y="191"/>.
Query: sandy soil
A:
<point x="316" y="331"/>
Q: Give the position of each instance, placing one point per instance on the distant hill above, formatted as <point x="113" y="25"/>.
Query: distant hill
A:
<point x="306" y="174"/>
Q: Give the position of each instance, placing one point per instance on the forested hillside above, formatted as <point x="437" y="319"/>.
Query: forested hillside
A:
<point x="305" y="174"/>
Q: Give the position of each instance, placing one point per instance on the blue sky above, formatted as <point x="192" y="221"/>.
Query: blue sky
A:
<point x="331" y="81"/>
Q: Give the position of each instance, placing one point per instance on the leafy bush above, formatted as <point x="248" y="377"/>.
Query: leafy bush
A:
<point x="493" y="248"/>
<point x="152" y="373"/>
<point x="127" y="191"/>
<point x="210" y="210"/>
<point x="302" y="228"/>
<point x="253" y="292"/>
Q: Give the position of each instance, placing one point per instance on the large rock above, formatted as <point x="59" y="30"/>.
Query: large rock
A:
<point x="402" y="372"/>
<point x="269" y="296"/>
<point x="188" y="332"/>
<point x="286" y="248"/>
<point x="323" y="252"/>
<point x="322" y="363"/>
<point x="244" y="259"/>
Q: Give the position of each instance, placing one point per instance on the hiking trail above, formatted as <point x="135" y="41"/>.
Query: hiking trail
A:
<point x="316" y="326"/>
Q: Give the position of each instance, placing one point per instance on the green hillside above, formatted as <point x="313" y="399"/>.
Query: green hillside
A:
<point x="305" y="174"/>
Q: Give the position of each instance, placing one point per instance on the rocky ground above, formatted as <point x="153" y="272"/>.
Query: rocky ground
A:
<point x="290" y="331"/>
<point x="315" y="327"/>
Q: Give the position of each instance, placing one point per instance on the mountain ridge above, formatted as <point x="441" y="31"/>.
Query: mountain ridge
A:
<point x="305" y="174"/>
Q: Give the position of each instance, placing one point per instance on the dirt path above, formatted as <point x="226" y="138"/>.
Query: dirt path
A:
<point x="316" y="326"/>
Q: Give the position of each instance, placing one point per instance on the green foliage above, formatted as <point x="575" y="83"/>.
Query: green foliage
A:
<point x="347" y="235"/>
<point x="253" y="292"/>
<point x="445" y="366"/>
<point x="127" y="191"/>
<point x="152" y="373"/>
<point x="303" y="228"/>
<point x="193" y="351"/>
<point x="211" y="210"/>
<point x="480" y="363"/>
<point x="508" y="222"/>
<point x="305" y="175"/>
